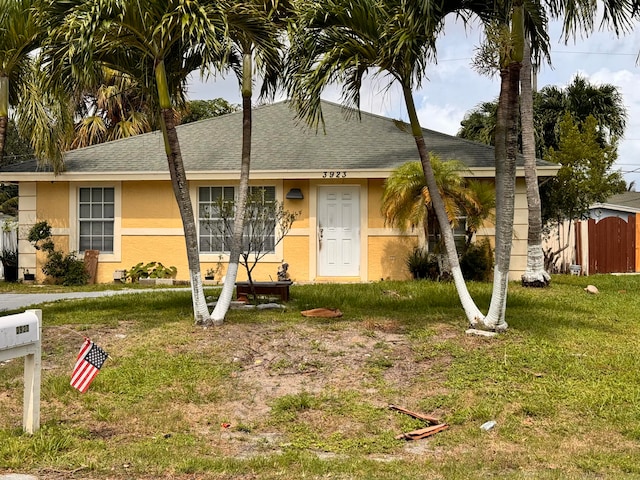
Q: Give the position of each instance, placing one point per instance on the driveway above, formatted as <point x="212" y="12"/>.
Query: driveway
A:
<point x="15" y="301"/>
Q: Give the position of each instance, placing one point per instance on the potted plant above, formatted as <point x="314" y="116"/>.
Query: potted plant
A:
<point x="9" y="259"/>
<point x="212" y="273"/>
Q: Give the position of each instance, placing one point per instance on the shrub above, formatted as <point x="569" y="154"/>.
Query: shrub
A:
<point x="63" y="268"/>
<point x="476" y="262"/>
<point x="423" y="265"/>
<point x="150" y="270"/>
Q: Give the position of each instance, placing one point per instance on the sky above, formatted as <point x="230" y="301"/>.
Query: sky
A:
<point x="454" y="88"/>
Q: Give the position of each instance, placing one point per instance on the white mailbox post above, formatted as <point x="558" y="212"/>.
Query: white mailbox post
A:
<point x="20" y="337"/>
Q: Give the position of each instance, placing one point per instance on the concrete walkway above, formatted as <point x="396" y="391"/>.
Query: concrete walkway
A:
<point x="15" y="301"/>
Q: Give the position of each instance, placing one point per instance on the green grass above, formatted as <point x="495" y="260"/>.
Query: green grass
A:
<point x="308" y="397"/>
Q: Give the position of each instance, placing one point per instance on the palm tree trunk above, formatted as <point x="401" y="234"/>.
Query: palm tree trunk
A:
<point x="224" y="301"/>
<point x="4" y="113"/>
<point x="505" y="152"/>
<point x="181" y="192"/>
<point x="535" y="274"/>
<point x="474" y="316"/>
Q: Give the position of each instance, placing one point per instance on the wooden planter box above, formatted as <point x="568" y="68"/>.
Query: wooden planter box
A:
<point x="279" y="289"/>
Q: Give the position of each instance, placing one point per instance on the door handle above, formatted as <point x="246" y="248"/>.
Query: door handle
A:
<point x="321" y="231"/>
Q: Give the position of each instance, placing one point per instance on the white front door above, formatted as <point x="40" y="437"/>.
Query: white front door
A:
<point x="338" y="231"/>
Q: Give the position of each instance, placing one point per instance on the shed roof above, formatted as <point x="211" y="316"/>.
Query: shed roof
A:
<point x="624" y="202"/>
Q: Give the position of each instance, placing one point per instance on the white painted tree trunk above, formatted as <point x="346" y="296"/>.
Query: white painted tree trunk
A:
<point x="200" y="308"/>
<point x="506" y="151"/>
<point x="535" y="275"/>
<point x="472" y="312"/>
<point x="224" y="300"/>
<point x="226" y="294"/>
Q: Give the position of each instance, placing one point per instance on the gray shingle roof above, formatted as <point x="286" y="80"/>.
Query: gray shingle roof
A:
<point x="280" y="143"/>
<point x="626" y="200"/>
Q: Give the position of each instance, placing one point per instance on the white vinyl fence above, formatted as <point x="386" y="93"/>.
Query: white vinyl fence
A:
<point x="8" y="238"/>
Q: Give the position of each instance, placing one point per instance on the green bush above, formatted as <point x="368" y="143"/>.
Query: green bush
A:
<point x="63" y="268"/>
<point x="150" y="270"/>
<point x="476" y="262"/>
<point x="423" y="265"/>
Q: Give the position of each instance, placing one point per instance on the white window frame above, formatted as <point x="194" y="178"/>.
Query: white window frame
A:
<point x="74" y="219"/>
<point x="274" y="256"/>
<point x="104" y="218"/>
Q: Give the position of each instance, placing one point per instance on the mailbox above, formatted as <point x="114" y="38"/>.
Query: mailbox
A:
<point x="20" y="337"/>
<point x="17" y="330"/>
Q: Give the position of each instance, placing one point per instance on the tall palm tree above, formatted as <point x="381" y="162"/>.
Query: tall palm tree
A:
<point x="20" y="35"/>
<point x="156" y="43"/>
<point x="576" y="15"/>
<point x="510" y="57"/>
<point x="535" y="274"/>
<point x="343" y="40"/>
<point x="266" y="50"/>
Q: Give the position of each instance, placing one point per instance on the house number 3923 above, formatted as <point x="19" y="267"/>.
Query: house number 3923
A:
<point x="339" y="174"/>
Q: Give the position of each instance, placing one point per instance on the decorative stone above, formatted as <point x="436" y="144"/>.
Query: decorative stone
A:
<point x="591" y="289"/>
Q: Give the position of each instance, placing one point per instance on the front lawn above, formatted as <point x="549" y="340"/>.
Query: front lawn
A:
<point x="275" y="395"/>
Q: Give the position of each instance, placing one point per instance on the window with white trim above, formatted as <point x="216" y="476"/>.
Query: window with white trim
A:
<point x="216" y="216"/>
<point x="96" y="214"/>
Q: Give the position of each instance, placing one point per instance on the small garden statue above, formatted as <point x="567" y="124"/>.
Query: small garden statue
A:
<point x="283" y="274"/>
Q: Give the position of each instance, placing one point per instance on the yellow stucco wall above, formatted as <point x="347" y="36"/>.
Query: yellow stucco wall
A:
<point x="147" y="204"/>
<point x="520" y="231"/>
<point x="376" y="188"/>
<point x="53" y="203"/>
<point x="296" y="254"/>
<point x="151" y="230"/>
<point x="387" y="255"/>
<point x="168" y="250"/>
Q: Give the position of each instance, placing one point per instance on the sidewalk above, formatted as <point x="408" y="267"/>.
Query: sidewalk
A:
<point x="15" y="301"/>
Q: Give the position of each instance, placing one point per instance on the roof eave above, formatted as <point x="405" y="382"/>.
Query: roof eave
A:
<point x="313" y="174"/>
<point x="617" y="208"/>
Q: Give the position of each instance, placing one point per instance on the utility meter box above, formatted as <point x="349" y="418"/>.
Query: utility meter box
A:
<point x="19" y="329"/>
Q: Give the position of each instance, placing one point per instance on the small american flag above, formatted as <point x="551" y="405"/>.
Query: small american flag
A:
<point x="90" y="359"/>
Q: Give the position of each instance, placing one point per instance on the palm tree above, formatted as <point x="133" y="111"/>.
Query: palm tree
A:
<point x="576" y="15"/>
<point x="266" y="49"/>
<point x="343" y="40"/>
<point x="157" y="44"/>
<point x="20" y="35"/>
<point x="480" y="123"/>
<point x="406" y="201"/>
<point x="506" y="144"/>
<point x="535" y="274"/>
<point x="115" y="109"/>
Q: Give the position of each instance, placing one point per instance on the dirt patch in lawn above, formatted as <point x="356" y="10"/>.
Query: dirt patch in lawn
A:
<point x="373" y="359"/>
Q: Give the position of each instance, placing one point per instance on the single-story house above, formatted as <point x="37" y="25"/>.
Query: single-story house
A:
<point x="609" y="240"/>
<point x="117" y="197"/>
